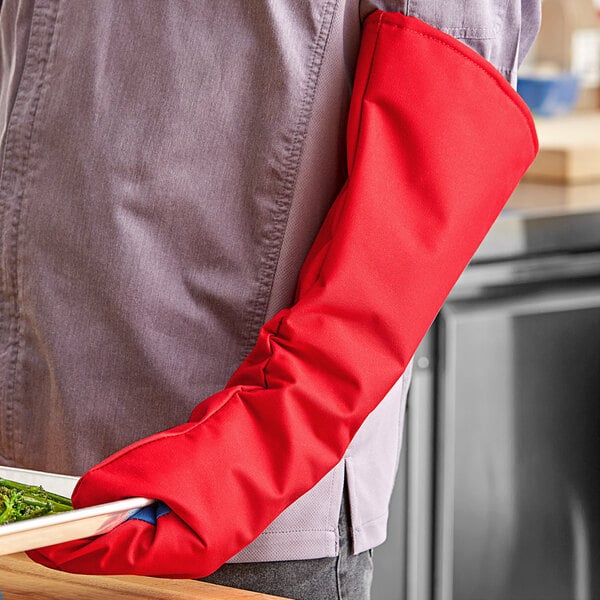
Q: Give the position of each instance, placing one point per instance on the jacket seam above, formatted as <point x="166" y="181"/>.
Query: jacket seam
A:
<point x="364" y="524"/>
<point x="17" y="155"/>
<point x="282" y="202"/>
<point x="303" y="530"/>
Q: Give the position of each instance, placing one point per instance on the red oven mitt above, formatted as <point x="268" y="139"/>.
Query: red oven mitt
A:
<point x="437" y="141"/>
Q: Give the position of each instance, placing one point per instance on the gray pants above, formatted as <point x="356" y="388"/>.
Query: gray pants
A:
<point x="344" y="577"/>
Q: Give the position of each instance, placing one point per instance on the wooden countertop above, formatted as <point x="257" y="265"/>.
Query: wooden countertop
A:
<point x="21" y="578"/>
<point x="532" y="197"/>
<point x="569" y="149"/>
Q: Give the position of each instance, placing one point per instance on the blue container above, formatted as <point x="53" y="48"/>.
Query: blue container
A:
<point x="549" y="95"/>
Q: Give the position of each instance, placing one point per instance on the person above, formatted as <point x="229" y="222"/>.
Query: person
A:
<point x="229" y="211"/>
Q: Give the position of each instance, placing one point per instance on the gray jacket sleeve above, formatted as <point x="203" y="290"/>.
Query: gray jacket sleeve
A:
<point x="502" y="31"/>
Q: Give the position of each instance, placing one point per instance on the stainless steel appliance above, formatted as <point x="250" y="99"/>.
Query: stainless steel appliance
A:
<point x="498" y="494"/>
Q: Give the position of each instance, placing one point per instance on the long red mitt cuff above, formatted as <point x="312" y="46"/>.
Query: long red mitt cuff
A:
<point x="437" y="141"/>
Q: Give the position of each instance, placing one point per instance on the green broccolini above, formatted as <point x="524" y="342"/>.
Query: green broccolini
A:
<point x="19" y="501"/>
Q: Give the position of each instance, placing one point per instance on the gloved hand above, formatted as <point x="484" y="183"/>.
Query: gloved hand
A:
<point x="437" y="141"/>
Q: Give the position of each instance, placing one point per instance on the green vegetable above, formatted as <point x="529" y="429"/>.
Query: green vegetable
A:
<point x="19" y="501"/>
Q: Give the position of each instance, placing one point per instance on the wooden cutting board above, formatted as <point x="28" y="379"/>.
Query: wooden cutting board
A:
<point x="21" y="578"/>
<point x="569" y="149"/>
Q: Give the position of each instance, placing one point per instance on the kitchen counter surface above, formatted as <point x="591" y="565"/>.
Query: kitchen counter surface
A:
<point x="545" y="219"/>
<point x="21" y="578"/>
<point x="535" y="197"/>
<point x="546" y="232"/>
